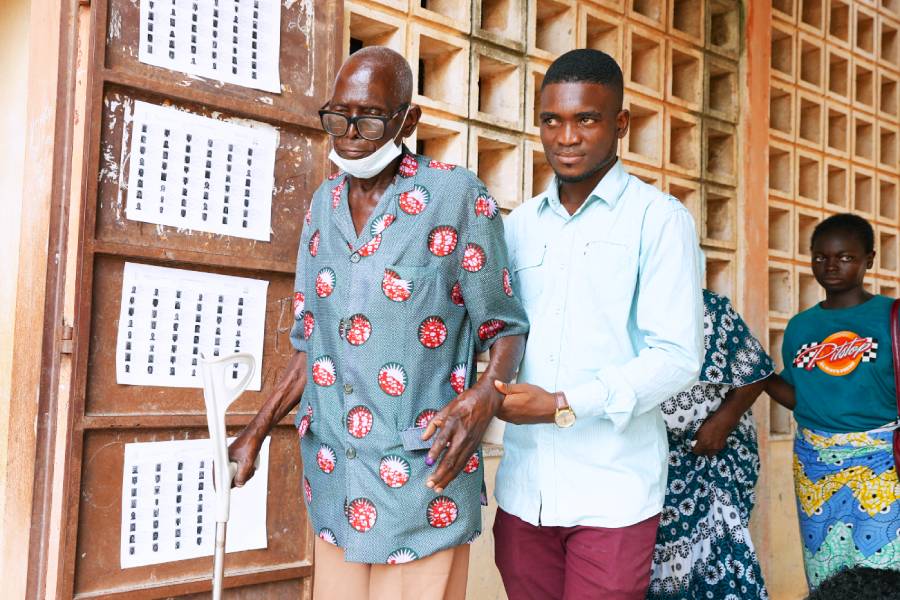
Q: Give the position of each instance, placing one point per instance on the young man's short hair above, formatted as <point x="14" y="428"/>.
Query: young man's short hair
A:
<point x="586" y="65"/>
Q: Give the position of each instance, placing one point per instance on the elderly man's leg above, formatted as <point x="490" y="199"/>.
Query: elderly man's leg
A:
<point x="441" y="576"/>
<point x="335" y="579"/>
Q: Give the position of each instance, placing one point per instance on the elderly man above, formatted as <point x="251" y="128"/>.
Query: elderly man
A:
<point x="608" y="271"/>
<point x="401" y="279"/>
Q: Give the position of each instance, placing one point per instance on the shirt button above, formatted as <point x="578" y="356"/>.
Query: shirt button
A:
<point x="348" y="389"/>
<point x="351" y="452"/>
<point x="354" y="258"/>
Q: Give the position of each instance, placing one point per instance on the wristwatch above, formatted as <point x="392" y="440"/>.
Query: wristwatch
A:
<point x="565" y="416"/>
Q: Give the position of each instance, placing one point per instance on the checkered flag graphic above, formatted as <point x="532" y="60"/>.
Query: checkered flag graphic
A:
<point x="872" y="353"/>
<point x="802" y="358"/>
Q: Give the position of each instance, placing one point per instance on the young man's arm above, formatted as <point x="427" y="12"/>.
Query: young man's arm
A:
<point x="668" y="315"/>
<point x="463" y="422"/>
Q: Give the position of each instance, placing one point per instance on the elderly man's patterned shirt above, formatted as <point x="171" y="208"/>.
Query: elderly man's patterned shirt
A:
<point x="391" y="321"/>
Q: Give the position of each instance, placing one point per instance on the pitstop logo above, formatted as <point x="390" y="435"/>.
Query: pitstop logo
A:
<point x="838" y="355"/>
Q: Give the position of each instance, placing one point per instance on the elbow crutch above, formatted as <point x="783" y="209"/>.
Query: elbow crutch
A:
<point x="220" y="389"/>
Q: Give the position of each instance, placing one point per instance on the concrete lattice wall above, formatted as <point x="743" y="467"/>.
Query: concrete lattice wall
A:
<point x="834" y="145"/>
<point x="833" y="142"/>
<point x="479" y="65"/>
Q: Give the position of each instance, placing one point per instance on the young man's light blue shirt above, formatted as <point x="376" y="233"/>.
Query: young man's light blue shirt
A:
<point x="613" y="295"/>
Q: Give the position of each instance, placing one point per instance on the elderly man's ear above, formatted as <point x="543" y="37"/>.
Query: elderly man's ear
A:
<point x="412" y="120"/>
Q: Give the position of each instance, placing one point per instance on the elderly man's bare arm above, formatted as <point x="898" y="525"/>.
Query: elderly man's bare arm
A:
<point x="462" y="423"/>
<point x="286" y="396"/>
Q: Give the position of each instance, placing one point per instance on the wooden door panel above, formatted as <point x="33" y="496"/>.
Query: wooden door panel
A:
<point x="275" y="589"/>
<point x="98" y="572"/>
<point x="107" y="398"/>
<point x="305" y="40"/>
<point x="298" y="171"/>
<point x="107" y="415"/>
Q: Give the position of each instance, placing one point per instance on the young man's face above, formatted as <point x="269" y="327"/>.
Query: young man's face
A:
<point x="839" y="261"/>
<point x="581" y="124"/>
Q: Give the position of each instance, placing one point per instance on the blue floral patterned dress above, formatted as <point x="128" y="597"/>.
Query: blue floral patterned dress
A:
<point x="703" y="547"/>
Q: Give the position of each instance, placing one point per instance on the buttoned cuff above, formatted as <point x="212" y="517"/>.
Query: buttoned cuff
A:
<point x="608" y="396"/>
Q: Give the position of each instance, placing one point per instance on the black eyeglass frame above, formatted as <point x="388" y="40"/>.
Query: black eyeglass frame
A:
<point x="353" y="120"/>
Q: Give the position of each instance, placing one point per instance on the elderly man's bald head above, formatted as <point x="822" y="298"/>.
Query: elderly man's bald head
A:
<point x="379" y="64"/>
<point x="377" y="82"/>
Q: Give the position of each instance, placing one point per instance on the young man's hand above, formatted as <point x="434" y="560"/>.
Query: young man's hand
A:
<point x="525" y="404"/>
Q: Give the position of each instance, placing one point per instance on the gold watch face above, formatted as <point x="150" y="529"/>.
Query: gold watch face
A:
<point x="565" y="417"/>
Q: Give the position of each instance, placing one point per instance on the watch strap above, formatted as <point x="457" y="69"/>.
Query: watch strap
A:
<point x="561" y="401"/>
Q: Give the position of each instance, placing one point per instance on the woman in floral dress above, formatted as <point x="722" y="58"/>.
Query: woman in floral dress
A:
<point x="703" y="546"/>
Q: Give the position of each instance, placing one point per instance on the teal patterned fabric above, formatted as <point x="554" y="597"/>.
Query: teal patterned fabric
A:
<point x="391" y="321"/>
<point x="703" y="547"/>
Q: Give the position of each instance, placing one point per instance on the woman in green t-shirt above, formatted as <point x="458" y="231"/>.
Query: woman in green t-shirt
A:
<point x="837" y="355"/>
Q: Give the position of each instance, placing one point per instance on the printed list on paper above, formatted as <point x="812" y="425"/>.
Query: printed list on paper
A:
<point x="198" y="173"/>
<point x="168" y="504"/>
<point x="170" y="317"/>
<point x="234" y="41"/>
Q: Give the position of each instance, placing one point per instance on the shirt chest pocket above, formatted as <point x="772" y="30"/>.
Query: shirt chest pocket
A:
<point x="407" y="284"/>
<point x="529" y="271"/>
<point x="609" y="268"/>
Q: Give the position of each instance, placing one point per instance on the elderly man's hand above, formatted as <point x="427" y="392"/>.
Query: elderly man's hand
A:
<point x="458" y="429"/>
<point x="525" y="404"/>
<point x="243" y="451"/>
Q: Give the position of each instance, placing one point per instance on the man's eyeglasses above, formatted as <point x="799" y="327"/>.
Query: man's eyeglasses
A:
<point x="369" y="127"/>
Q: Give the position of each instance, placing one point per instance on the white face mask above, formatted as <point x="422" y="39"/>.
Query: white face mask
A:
<point x="372" y="165"/>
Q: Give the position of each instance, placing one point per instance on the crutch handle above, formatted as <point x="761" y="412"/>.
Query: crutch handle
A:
<point x="219" y="391"/>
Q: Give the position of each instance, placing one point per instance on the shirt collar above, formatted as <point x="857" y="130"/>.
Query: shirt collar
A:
<point x="608" y="190"/>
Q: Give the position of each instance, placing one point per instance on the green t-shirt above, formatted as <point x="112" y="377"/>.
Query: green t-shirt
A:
<point x="841" y="366"/>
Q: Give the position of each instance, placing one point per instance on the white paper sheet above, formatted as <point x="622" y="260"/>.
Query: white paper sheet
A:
<point x="198" y="173"/>
<point x="168" y="504"/>
<point x="169" y="317"/>
<point x="235" y="41"/>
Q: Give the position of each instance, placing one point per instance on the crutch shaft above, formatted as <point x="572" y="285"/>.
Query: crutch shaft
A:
<point x="219" y="562"/>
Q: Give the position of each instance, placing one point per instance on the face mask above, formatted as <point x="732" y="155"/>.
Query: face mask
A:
<point x="372" y="165"/>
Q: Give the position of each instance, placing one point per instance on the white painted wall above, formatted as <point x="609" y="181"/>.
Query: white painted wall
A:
<point x="14" y="26"/>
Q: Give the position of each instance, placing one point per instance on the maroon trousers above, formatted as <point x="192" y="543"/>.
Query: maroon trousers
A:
<point x="573" y="563"/>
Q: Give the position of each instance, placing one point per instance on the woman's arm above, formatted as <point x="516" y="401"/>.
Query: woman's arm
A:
<point x="781" y="391"/>
<point x="713" y="434"/>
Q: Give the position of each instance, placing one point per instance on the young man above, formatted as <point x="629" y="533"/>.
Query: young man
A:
<point x="607" y="268"/>
<point x="401" y="278"/>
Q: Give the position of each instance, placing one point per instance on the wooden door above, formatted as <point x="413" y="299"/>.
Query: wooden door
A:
<point x="108" y="415"/>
